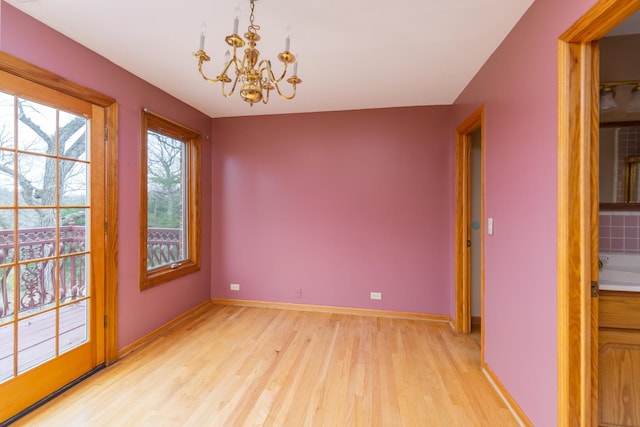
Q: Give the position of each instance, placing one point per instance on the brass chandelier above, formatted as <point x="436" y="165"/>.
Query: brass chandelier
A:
<point x="255" y="76"/>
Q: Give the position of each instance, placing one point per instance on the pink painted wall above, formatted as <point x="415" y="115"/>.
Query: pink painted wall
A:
<point x="518" y="87"/>
<point x="341" y="204"/>
<point x="139" y="312"/>
<point x="338" y="204"/>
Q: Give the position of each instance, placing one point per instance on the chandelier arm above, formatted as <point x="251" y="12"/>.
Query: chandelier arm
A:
<point x="284" y="73"/>
<point x="233" y="88"/>
<point x="267" y="67"/>
<point x="237" y="61"/>
<point x="202" y="58"/>
<point x="287" y="97"/>
<point x="224" y="71"/>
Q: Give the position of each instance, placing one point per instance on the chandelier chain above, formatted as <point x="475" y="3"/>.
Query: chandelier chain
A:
<point x="253" y="28"/>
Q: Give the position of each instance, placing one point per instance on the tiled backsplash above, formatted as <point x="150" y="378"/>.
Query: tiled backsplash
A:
<point x="620" y="232"/>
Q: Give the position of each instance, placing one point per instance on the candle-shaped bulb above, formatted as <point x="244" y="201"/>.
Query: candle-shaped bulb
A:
<point x="227" y="55"/>
<point x="236" y="20"/>
<point x="295" y="68"/>
<point x="287" y="44"/>
<point x="235" y="25"/>
<point x="203" y="33"/>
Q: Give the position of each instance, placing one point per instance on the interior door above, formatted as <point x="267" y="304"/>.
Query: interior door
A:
<point x="51" y="224"/>
<point x="463" y="222"/>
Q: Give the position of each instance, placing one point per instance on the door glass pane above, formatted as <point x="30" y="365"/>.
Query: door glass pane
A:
<point x="37" y="290"/>
<point x="7" y="289"/>
<point x="36" y="340"/>
<point x="7" y="237"/>
<point x="37" y="127"/>
<point x="73" y="278"/>
<point x="73" y="136"/>
<point x="7" y="165"/>
<point x="73" y="183"/>
<point x="73" y="232"/>
<point x="73" y="325"/>
<point x="7" y="120"/>
<point x="37" y="235"/>
<point x="6" y="352"/>
<point x="37" y="176"/>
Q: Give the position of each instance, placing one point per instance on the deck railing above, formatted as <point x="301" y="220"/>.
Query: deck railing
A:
<point x="37" y="278"/>
<point x="164" y="246"/>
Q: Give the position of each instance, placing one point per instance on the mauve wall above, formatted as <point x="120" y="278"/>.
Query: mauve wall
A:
<point x="139" y="312"/>
<point x="338" y="204"/>
<point x="518" y="87"/>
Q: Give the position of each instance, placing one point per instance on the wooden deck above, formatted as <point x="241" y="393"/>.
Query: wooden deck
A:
<point x="36" y="338"/>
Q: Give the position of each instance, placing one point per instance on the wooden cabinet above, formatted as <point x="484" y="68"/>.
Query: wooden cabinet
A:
<point x="619" y="359"/>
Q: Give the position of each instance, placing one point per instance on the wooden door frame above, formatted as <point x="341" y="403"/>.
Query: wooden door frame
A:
<point x="106" y="105"/>
<point x="578" y="123"/>
<point x="462" y="321"/>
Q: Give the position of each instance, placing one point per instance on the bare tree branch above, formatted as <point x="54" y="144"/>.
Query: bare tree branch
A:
<point x="48" y="139"/>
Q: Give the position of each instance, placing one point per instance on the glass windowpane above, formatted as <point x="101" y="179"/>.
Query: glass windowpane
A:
<point x="36" y="127"/>
<point x="7" y="188"/>
<point x="36" y="340"/>
<point x="74" y="132"/>
<point x="73" y="183"/>
<point x="37" y="233"/>
<point x="7" y="352"/>
<point x="37" y="180"/>
<point x="7" y="237"/>
<point x="7" y="294"/>
<point x="73" y="326"/>
<point x="73" y="278"/>
<point x="166" y="213"/>
<point x="7" y="120"/>
<point x="73" y="232"/>
<point x="37" y="286"/>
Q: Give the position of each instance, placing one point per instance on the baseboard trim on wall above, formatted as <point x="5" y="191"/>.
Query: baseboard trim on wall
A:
<point x="156" y="333"/>
<point x="515" y="409"/>
<point x="439" y="318"/>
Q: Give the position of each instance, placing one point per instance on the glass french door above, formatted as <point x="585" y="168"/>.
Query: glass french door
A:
<point x="50" y="291"/>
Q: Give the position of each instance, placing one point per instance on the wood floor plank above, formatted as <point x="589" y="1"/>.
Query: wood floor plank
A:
<point x="242" y="366"/>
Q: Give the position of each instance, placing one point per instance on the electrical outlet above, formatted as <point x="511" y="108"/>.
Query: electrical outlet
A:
<point x="234" y="287"/>
<point x="298" y="292"/>
<point x="376" y="295"/>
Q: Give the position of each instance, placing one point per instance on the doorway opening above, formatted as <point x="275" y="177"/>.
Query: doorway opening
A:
<point x="578" y="210"/>
<point x="469" y="235"/>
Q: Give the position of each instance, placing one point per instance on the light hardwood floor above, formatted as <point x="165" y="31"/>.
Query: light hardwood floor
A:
<point x="241" y="366"/>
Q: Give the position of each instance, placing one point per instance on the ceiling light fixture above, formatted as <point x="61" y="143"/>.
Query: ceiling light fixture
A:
<point x="633" y="106"/>
<point x="607" y="100"/>
<point x="255" y="76"/>
<point x="620" y="94"/>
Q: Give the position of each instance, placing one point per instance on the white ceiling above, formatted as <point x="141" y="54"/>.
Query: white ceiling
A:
<point x="629" y="26"/>
<point x="353" y="54"/>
